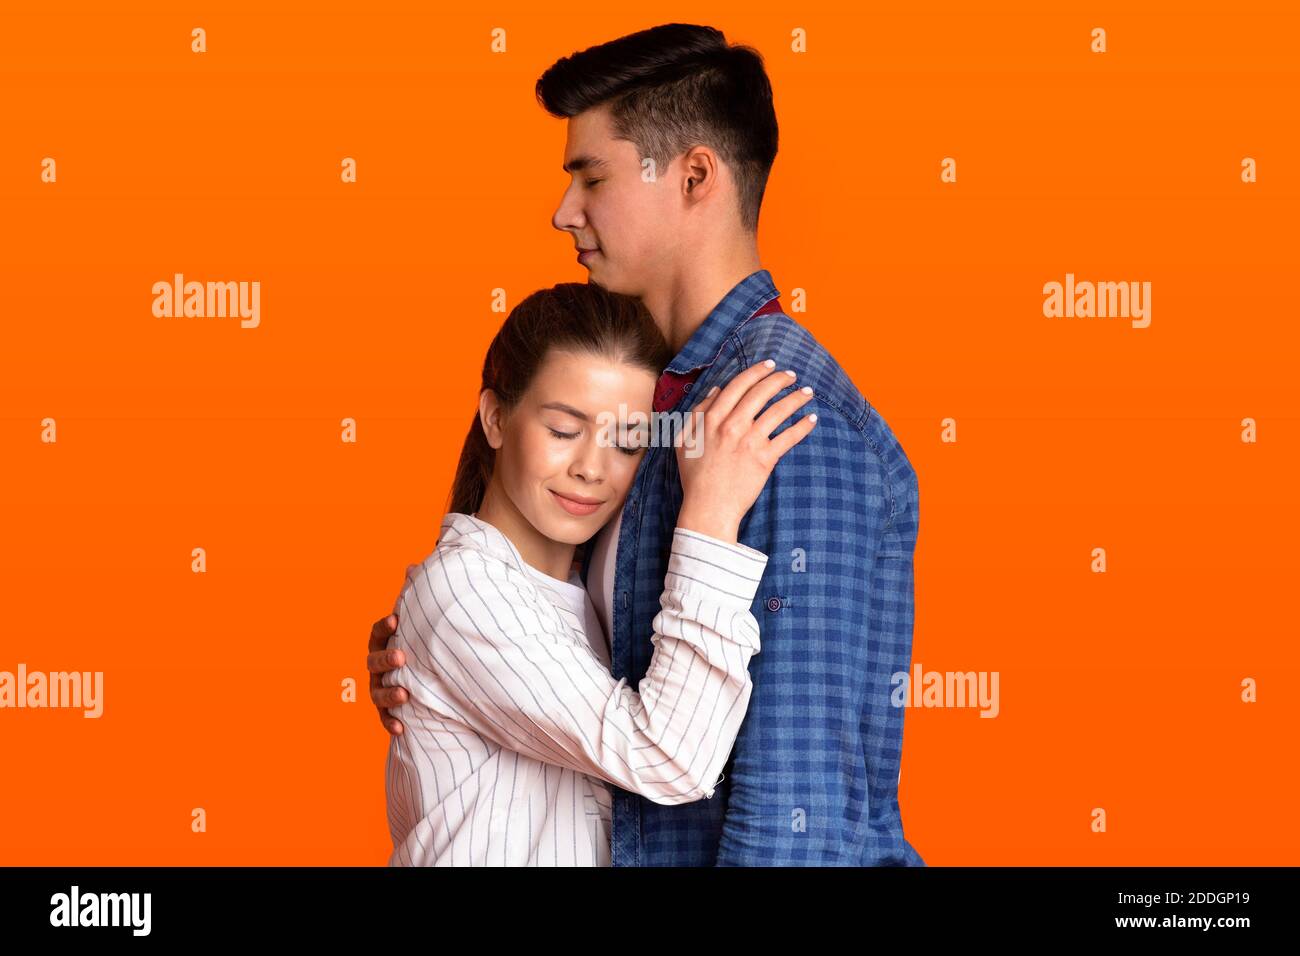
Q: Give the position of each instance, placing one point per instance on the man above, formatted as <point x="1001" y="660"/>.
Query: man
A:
<point x="671" y="136"/>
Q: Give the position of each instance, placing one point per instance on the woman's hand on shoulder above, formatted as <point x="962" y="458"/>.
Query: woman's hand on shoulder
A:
<point x="726" y="453"/>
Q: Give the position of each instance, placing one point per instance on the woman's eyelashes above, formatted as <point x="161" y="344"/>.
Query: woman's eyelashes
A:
<point x="569" y="436"/>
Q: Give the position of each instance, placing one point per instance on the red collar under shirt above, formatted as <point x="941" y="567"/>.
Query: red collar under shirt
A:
<point x="672" y="385"/>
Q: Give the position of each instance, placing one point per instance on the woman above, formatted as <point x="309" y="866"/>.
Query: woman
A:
<point x="514" y="724"/>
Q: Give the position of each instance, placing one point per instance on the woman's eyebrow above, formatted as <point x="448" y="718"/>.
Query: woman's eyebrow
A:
<point x="567" y="409"/>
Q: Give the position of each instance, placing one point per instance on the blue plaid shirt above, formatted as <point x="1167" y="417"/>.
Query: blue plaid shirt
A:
<point x="813" y="777"/>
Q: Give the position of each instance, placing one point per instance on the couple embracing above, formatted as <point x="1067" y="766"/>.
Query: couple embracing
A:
<point x="622" y="653"/>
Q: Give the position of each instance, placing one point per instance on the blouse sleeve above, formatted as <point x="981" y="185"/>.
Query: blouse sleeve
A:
<point x="482" y="650"/>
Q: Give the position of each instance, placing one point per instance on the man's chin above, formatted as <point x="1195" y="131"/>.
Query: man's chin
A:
<point x="608" y="284"/>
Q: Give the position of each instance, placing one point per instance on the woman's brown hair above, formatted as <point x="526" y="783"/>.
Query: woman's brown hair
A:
<point x="571" y="316"/>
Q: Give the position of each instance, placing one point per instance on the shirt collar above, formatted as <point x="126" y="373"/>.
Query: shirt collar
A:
<point x="736" y="308"/>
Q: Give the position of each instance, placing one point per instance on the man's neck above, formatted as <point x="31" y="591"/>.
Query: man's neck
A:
<point x="686" y="298"/>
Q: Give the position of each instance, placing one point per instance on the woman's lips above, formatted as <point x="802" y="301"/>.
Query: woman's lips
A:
<point x="576" y="508"/>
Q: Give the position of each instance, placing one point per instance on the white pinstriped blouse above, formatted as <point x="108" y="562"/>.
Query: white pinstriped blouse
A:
<point x="513" y="722"/>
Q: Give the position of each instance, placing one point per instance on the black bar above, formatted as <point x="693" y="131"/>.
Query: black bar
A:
<point x="384" y="907"/>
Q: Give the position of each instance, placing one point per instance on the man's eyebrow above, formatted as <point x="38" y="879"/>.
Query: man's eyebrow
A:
<point x="579" y="163"/>
<point x="567" y="409"/>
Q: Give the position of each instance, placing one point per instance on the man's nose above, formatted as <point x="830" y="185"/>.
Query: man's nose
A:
<point x="568" y="215"/>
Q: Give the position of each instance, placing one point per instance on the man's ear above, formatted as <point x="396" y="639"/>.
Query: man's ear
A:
<point x="702" y="170"/>
<point x="491" y="416"/>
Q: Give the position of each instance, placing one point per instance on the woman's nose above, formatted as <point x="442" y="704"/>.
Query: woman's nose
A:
<point x="586" y="464"/>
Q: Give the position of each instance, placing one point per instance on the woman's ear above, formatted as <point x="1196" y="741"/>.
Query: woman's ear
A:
<point x="491" y="416"/>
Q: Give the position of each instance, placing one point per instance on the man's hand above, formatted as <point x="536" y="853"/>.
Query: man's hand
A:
<point x="379" y="662"/>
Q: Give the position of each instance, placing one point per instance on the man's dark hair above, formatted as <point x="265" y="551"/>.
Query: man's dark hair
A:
<point x="673" y="87"/>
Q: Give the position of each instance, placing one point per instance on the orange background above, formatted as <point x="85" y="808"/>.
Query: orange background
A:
<point x="222" y="690"/>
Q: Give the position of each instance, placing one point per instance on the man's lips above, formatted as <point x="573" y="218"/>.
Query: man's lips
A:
<point x="577" y="505"/>
<point x="586" y="252"/>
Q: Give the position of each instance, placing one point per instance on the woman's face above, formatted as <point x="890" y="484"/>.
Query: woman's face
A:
<point x="563" y="466"/>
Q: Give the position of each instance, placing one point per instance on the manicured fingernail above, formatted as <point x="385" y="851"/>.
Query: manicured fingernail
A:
<point x="712" y="391"/>
<point x="807" y="389"/>
<point x="770" y="363"/>
<point x="789" y="371"/>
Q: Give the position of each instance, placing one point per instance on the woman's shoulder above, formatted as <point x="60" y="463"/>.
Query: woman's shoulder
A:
<point x="462" y="590"/>
<point x="472" y="558"/>
<point x="453" y="567"/>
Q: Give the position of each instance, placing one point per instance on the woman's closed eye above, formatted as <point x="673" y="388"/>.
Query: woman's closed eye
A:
<point x="569" y="436"/>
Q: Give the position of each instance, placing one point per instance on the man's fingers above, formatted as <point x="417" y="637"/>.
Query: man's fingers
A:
<point x="385" y="697"/>
<point x="381" y="662"/>
<point x="391" y="723"/>
<point x="381" y="631"/>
